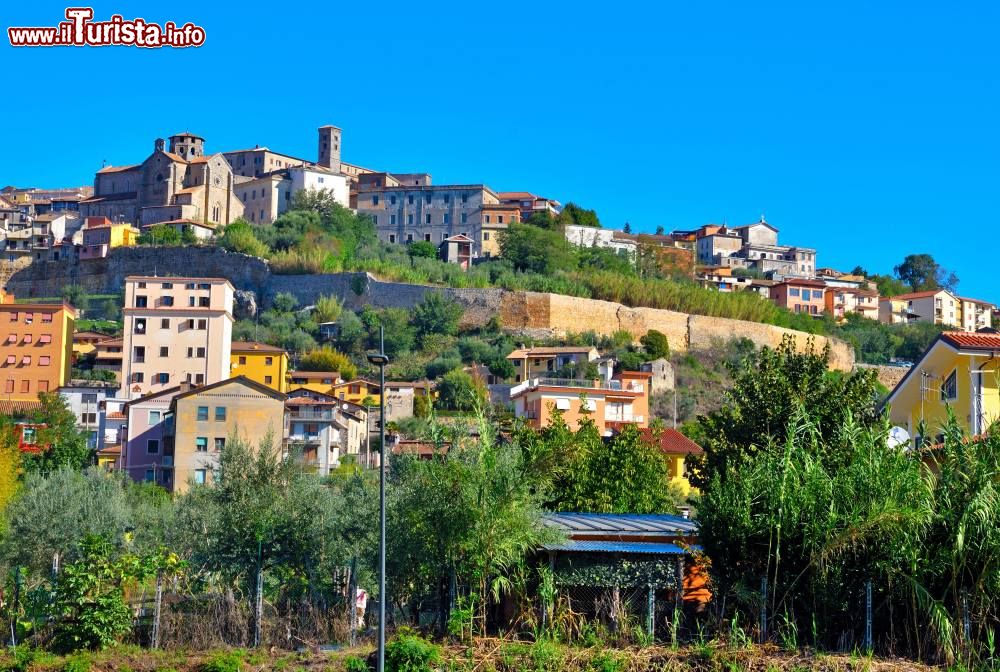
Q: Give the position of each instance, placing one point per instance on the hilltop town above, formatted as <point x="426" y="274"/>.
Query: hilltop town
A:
<point x="599" y="404"/>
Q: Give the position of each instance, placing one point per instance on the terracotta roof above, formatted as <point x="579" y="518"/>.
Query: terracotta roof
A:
<point x="335" y="375"/>
<point x="16" y="408"/>
<point x="918" y="295"/>
<point x="251" y="346"/>
<point x="972" y="341"/>
<point x="970" y="300"/>
<point x="200" y="159"/>
<point x="242" y="380"/>
<point x="803" y="283"/>
<point x="671" y="441"/>
<point x="175" y="157"/>
<point x="111" y="342"/>
<point x="519" y="195"/>
<point x="117" y="169"/>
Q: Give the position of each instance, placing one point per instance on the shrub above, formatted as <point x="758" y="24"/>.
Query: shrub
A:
<point x="76" y="664"/>
<point x="411" y="653"/>
<point x="239" y="237"/>
<point x="355" y="664"/>
<point x="328" y="359"/>
<point x="607" y="661"/>
<point x="655" y="343"/>
<point x="226" y="661"/>
<point x="327" y="309"/>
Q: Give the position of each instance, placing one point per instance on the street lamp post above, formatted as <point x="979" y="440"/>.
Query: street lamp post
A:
<point x="381" y="360"/>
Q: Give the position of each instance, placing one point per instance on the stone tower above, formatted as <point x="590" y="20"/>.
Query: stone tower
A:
<point x="329" y="148"/>
<point x="187" y="145"/>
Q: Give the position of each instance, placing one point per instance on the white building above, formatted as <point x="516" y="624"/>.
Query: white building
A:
<point x="589" y="236"/>
<point x="266" y="197"/>
<point x="88" y="400"/>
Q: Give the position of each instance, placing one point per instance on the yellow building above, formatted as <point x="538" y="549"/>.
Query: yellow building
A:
<point x="676" y="448"/>
<point x="263" y="363"/>
<point x="316" y="381"/>
<point x="202" y="419"/>
<point x="959" y="371"/>
<point x="36" y="347"/>
<point x="541" y="362"/>
<point x="101" y="235"/>
<point x="357" y="391"/>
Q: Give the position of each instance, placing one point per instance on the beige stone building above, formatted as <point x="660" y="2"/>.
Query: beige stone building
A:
<point x="202" y="419"/>
<point x="176" y="182"/>
<point x="176" y="330"/>
<point x="407" y="208"/>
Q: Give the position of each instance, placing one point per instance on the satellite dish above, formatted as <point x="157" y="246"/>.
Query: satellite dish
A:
<point x="898" y="437"/>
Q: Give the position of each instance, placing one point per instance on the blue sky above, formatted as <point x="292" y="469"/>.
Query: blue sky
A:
<point x="865" y="129"/>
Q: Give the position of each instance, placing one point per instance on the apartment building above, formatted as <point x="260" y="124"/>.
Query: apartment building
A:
<point x="938" y="306"/>
<point x="175" y="330"/>
<point x="108" y="355"/>
<point x="529" y="203"/>
<point x="753" y="246"/>
<point x="800" y="295"/>
<point x="146" y="455"/>
<point x="609" y="402"/>
<point x="976" y="314"/>
<point x="36" y="347"/>
<point x="202" y="419"/>
<point x="265" y="364"/>
<point x="323" y="428"/>
<point x="544" y="361"/>
<point x="842" y="301"/>
<point x="317" y="381"/>
<point x="87" y="400"/>
<point x="101" y="235"/>
<point x="407" y="208"/>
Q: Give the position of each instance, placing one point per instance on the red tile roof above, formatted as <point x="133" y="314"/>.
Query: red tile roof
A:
<point x="18" y="408"/>
<point x="919" y="295"/>
<point x="671" y="441"/>
<point x="250" y="346"/>
<point x="974" y="341"/>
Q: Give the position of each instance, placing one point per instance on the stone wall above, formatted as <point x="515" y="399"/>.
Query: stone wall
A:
<point x="890" y="376"/>
<point x="530" y="313"/>
<point x="106" y="276"/>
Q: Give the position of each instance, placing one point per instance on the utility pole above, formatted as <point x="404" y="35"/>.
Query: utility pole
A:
<point x="381" y="360"/>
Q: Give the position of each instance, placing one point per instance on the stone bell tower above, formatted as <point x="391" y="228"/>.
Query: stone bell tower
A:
<point x="329" y="148"/>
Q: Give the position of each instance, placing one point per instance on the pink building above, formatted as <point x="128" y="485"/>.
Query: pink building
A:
<point x="144" y="453"/>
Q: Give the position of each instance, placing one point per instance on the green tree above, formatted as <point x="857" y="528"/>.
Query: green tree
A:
<point x="400" y="336"/>
<point x="284" y="302"/>
<point x="888" y="285"/>
<point x="327" y="309"/>
<point x="160" y="234"/>
<point x="769" y="386"/>
<point x="915" y="338"/>
<point x="436" y="314"/>
<point x="529" y="248"/>
<point x="920" y="272"/>
<point x="75" y="295"/>
<point x="458" y="391"/>
<point x="328" y="359"/>
<point x="422" y="248"/>
<point x="64" y="445"/>
<point x="655" y="343"/>
<point x="594" y="482"/>
<point x="239" y="237"/>
<point x="573" y="214"/>
<point x="89" y="600"/>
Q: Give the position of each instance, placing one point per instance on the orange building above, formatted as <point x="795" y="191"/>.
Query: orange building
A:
<point x="610" y="404"/>
<point x="800" y="296"/>
<point x="36" y="347"/>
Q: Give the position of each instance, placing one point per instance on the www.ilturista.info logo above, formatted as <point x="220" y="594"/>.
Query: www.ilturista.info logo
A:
<point x="80" y="30"/>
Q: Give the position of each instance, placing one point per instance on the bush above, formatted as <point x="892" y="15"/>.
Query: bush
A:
<point x="355" y="664"/>
<point x="328" y="359"/>
<point x="656" y="344"/>
<point x="411" y="653"/>
<point x="227" y="661"/>
<point x="239" y="237"/>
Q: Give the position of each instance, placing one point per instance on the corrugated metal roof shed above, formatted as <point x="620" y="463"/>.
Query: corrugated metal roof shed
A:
<point x="621" y="547"/>
<point x="621" y="524"/>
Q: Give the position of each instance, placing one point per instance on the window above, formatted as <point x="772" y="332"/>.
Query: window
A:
<point x="46" y="318"/>
<point x="140" y="302"/>
<point x="191" y="301"/>
<point x="142" y="285"/>
<point x="465" y="217"/>
<point x="409" y="219"/>
<point x="25" y="386"/>
<point x="150" y="475"/>
<point x="138" y="377"/>
<point x="465" y="198"/>
<point x="88" y="418"/>
<point x="268" y="380"/>
<point x="154" y="417"/>
<point x="409" y="199"/>
<point x="201" y="352"/>
<point x="164" y="351"/>
<point x="45" y="338"/>
<point x="268" y="361"/>
<point x="44" y="360"/>
<point x="375" y="220"/>
<point x="486" y="219"/>
<point x="793" y="291"/>
<point x="409" y="237"/>
<point x="89" y="398"/>
<point x="446" y="218"/>
<point x="140" y="326"/>
<point x="204" y="285"/>
<point x="499" y="219"/>
<point x="199" y="476"/>
<point x="220" y="413"/>
<point x="12" y="338"/>
<point x="949" y="389"/>
<point x="374" y="199"/>
<point x="201" y="444"/>
<point x="427" y="197"/>
<point x="427" y="219"/>
<point x="202" y="325"/>
<point x="138" y="354"/>
<point x="203" y="302"/>
<point x="392" y="220"/>
<point x="203" y="412"/>
<point x="167" y="285"/>
<point x="392" y="199"/>
<point x="9" y="386"/>
<point x="220" y="443"/>
<point x="427" y="237"/>
<point x="152" y="446"/>
<point x="242" y="360"/>
<point x="167" y="300"/>
<point x="486" y="235"/>
<point x="27" y="339"/>
<point x="163" y="378"/>
<point x="392" y="237"/>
